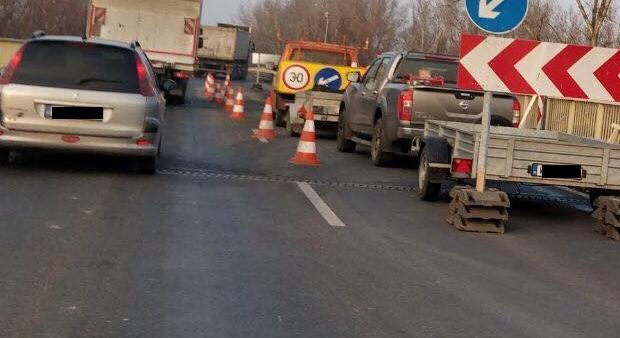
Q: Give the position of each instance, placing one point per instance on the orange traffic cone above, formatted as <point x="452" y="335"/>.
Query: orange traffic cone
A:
<point x="227" y="82"/>
<point x="210" y="87"/>
<point x="218" y="94"/>
<point x="306" y="150"/>
<point x="265" y="128"/>
<point x="223" y="94"/>
<point x="238" y="112"/>
<point x="230" y="100"/>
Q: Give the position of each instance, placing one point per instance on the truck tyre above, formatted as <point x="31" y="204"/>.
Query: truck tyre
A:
<point x="429" y="179"/>
<point x="378" y="155"/>
<point x="291" y="130"/>
<point x="279" y="118"/>
<point x="343" y="144"/>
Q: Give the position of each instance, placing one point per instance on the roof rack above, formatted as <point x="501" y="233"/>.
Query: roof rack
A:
<point x="38" y="34"/>
<point x="135" y="44"/>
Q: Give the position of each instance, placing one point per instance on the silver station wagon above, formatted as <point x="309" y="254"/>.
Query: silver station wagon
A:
<point x="84" y="95"/>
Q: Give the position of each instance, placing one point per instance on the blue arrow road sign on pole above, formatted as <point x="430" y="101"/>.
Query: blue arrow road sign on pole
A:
<point x="497" y="16"/>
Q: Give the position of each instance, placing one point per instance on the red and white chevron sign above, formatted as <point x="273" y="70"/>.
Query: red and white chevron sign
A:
<point x="539" y="68"/>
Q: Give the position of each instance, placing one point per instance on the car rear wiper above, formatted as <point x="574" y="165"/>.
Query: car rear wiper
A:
<point x="94" y="79"/>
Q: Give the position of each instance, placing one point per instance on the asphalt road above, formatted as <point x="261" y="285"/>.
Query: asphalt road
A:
<point x="222" y="242"/>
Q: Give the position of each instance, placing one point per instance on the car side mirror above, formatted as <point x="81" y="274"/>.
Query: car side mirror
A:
<point x="354" y="77"/>
<point x="201" y="42"/>
<point x="169" y="85"/>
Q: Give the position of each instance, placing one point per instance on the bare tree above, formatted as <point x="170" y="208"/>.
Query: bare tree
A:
<point x="19" y="18"/>
<point x="594" y="13"/>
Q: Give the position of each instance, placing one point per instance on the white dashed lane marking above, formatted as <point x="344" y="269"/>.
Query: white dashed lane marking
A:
<point x="330" y="217"/>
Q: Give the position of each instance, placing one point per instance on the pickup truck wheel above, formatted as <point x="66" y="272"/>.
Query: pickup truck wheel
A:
<point x="343" y="144"/>
<point x="427" y="190"/>
<point x="291" y="130"/>
<point x="378" y="155"/>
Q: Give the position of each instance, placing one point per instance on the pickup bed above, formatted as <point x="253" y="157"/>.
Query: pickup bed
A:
<point x="387" y="108"/>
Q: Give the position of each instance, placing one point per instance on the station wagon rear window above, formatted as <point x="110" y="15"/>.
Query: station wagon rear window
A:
<point x="78" y="65"/>
<point x="446" y="69"/>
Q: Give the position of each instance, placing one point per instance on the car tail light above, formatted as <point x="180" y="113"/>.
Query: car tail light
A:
<point x="143" y="143"/>
<point x="70" y="138"/>
<point x="181" y="75"/>
<point x="405" y="106"/>
<point x="462" y="166"/>
<point x="7" y="75"/>
<point x="516" y="113"/>
<point x="143" y="79"/>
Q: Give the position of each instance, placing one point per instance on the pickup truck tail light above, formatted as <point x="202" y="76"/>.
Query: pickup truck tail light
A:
<point x="516" y="113"/>
<point x="462" y="167"/>
<point x="405" y="106"/>
<point x="7" y="75"/>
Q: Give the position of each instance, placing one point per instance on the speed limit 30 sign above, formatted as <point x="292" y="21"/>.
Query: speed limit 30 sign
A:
<point x="296" y="77"/>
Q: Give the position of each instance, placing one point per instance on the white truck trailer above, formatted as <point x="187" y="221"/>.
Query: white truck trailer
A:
<point x="226" y="50"/>
<point x="168" y="30"/>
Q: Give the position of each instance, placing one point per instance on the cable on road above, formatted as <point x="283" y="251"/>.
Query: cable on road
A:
<point x="517" y="195"/>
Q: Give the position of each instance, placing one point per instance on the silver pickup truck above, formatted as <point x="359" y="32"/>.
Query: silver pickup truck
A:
<point x="387" y="108"/>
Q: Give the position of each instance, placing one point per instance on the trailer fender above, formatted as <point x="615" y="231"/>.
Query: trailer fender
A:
<point x="438" y="150"/>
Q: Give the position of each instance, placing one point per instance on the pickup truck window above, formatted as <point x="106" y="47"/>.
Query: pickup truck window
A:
<point x="372" y="73"/>
<point x="377" y="73"/>
<point x="421" y="67"/>
<point x="323" y="57"/>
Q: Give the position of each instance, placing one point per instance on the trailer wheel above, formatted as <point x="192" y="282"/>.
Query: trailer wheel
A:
<point x="429" y="179"/>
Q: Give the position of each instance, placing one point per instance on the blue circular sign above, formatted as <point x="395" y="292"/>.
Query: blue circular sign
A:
<point x="328" y="77"/>
<point x="497" y="16"/>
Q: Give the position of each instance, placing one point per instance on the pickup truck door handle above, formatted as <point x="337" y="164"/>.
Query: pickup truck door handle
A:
<point x="363" y="93"/>
<point x="375" y="92"/>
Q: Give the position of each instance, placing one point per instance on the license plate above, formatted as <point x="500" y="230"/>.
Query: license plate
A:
<point x="559" y="171"/>
<point x="77" y="113"/>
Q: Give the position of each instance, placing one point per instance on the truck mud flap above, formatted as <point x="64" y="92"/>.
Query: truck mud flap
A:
<point x="474" y="211"/>
<point x="607" y="214"/>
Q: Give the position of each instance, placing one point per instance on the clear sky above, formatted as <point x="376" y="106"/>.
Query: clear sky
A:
<point x="221" y="11"/>
<point x="225" y="11"/>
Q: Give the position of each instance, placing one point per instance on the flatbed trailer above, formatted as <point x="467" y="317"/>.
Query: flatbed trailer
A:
<point x="540" y="157"/>
<point x="516" y="154"/>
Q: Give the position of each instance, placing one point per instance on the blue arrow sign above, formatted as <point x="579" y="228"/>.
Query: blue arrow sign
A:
<point x="328" y="77"/>
<point x="497" y="16"/>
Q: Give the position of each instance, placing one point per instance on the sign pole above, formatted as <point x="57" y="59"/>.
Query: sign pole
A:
<point x="481" y="171"/>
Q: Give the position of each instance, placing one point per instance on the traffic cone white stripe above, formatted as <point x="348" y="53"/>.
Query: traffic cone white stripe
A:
<point x="309" y="126"/>
<point x="306" y="147"/>
<point x="265" y="124"/>
<point x="237" y="109"/>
